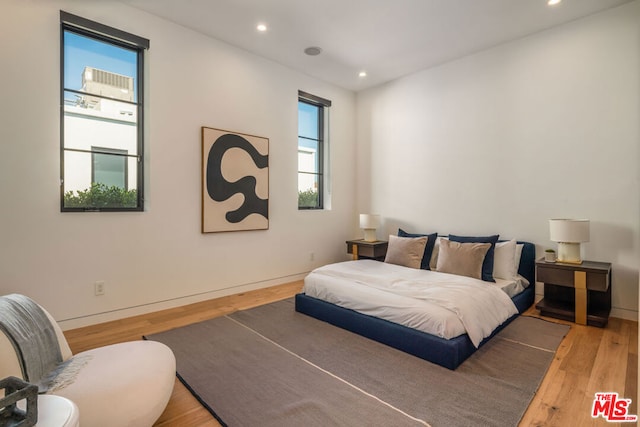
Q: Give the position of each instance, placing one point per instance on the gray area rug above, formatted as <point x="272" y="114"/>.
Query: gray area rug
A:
<point x="272" y="366"/>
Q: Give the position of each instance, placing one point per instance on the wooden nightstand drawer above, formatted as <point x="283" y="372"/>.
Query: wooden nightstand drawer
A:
<point x="372" y="250"/>
<point x="563" y="275"/>
<point x="597" y="281"/>
<point x="548" y="274"/>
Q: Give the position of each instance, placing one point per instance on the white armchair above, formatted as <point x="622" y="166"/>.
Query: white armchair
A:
<point x="126" y="384"/>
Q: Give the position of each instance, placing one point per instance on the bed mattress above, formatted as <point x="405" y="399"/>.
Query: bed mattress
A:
<point x="441" y="304"/>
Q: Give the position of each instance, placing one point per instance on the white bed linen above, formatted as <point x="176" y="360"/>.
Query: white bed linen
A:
<point x="440" y="304"/>
<point x="511" y="287"/>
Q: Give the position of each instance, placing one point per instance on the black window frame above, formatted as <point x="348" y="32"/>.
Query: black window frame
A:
<point x="322" y="104"/>
<point x="95" y="30"/>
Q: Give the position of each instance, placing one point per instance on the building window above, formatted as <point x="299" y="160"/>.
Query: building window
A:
<point x="109" y="167"/>
<point x="101" y="118"/>
<point x="313" y="113"/>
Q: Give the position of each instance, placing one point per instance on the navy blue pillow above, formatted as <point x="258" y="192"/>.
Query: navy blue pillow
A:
<point x="428" y="249"/>
<point x="487" y="264"/>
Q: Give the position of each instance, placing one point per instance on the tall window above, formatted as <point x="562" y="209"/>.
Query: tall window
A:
<point x="101" y="157"/>
<point x="312" y="125"/>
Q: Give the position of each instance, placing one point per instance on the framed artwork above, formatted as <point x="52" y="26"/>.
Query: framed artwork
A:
<point x="235" y="181"/>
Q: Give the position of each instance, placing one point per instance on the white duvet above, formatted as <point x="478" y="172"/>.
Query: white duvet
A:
<point x="440" y="304"/>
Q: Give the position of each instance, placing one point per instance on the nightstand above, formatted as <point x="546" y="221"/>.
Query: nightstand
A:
<point x="579" y="293"/>
<point x="367" y="250"/>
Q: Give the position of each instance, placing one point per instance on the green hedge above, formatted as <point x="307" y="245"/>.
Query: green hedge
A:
<point x="101" y="196"/>
<point x="307" y="199"/>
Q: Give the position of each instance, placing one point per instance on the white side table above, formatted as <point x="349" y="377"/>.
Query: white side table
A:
<point x="55" y="411"/>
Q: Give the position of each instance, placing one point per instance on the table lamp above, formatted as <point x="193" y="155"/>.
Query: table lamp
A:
<point x="369" y="222"/>
<point x="569" y="233"/>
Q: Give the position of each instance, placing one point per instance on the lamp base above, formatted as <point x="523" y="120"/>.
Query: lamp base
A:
<point x="569" y="253"/>
<point x="370" y="235"/>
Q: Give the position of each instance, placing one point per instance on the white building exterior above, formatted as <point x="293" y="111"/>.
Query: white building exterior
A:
<point x="307" y="161"/>
<point x="102" y="125"/>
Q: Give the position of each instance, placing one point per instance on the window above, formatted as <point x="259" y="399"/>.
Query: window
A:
<point x="109" y="167"/>
<point x="101" y="119"/>
<point x="312" y="128"/>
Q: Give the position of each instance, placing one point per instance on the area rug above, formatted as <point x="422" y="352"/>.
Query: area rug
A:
<point x="272" y="366"/>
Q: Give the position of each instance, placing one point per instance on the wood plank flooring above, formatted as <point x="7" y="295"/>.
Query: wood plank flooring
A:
<point x="589" y="360"/>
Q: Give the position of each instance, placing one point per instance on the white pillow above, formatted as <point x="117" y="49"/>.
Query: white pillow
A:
<point x="519" y="248"/>
<point x="504" y="260"/>
<point x="433" y="263"/>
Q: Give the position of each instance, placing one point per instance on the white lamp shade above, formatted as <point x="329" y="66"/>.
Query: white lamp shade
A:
<point x="368" y="221"/>
<point x="569" y="230"/>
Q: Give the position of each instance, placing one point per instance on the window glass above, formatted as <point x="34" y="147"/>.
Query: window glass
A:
<point x="310" y="154"/>
<point x="120" y="64"/>
<point x="308" y="126"/>
<point x="101" y="121"/>
<point x="110" y="169"/>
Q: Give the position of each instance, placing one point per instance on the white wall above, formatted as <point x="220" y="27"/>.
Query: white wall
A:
<point x="157" y="258"/>
<point x="500" y="141"/>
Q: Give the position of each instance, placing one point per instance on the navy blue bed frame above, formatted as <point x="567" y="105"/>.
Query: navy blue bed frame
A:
<point x="448" y="353"/>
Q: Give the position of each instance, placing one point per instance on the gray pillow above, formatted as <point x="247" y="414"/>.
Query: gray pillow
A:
<point x="405" y="251"/>
<point x="463" y="259"/>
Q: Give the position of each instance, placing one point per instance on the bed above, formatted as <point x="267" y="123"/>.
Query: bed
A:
<point x="438" y="348"/>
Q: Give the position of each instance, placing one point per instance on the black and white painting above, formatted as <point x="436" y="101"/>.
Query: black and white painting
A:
<point x="235" y="181"/>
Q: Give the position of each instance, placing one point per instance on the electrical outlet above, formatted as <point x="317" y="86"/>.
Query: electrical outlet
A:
<point x="98" y="288"/>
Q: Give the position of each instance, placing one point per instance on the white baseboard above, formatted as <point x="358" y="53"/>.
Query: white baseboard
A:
<point x="624" y="313"/>
<point x="125" y="312"/>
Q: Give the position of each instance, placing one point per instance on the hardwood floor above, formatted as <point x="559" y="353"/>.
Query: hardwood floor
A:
<point x="589" y="360"/>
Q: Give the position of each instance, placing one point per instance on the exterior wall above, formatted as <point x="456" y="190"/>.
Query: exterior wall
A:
<point x="307" y="161"/>
<point x="108" y="127"/>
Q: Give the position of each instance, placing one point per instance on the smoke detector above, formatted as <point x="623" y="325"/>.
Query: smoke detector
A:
<point x="313" y="51"/>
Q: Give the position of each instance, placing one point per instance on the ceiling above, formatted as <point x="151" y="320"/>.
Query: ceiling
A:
<point x="385" y="38"/>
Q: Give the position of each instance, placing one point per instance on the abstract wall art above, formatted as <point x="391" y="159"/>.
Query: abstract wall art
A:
<point x="235" y="181"/>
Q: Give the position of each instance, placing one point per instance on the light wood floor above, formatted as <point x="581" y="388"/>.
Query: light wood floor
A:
<point x="589" y="360"/>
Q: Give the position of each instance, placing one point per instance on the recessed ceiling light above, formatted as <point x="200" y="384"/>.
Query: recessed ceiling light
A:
<point x="553" y="2"/>
<point x="262" y="28"/>
<point x="362" y="74"/>
<point x="313" y="51"/>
